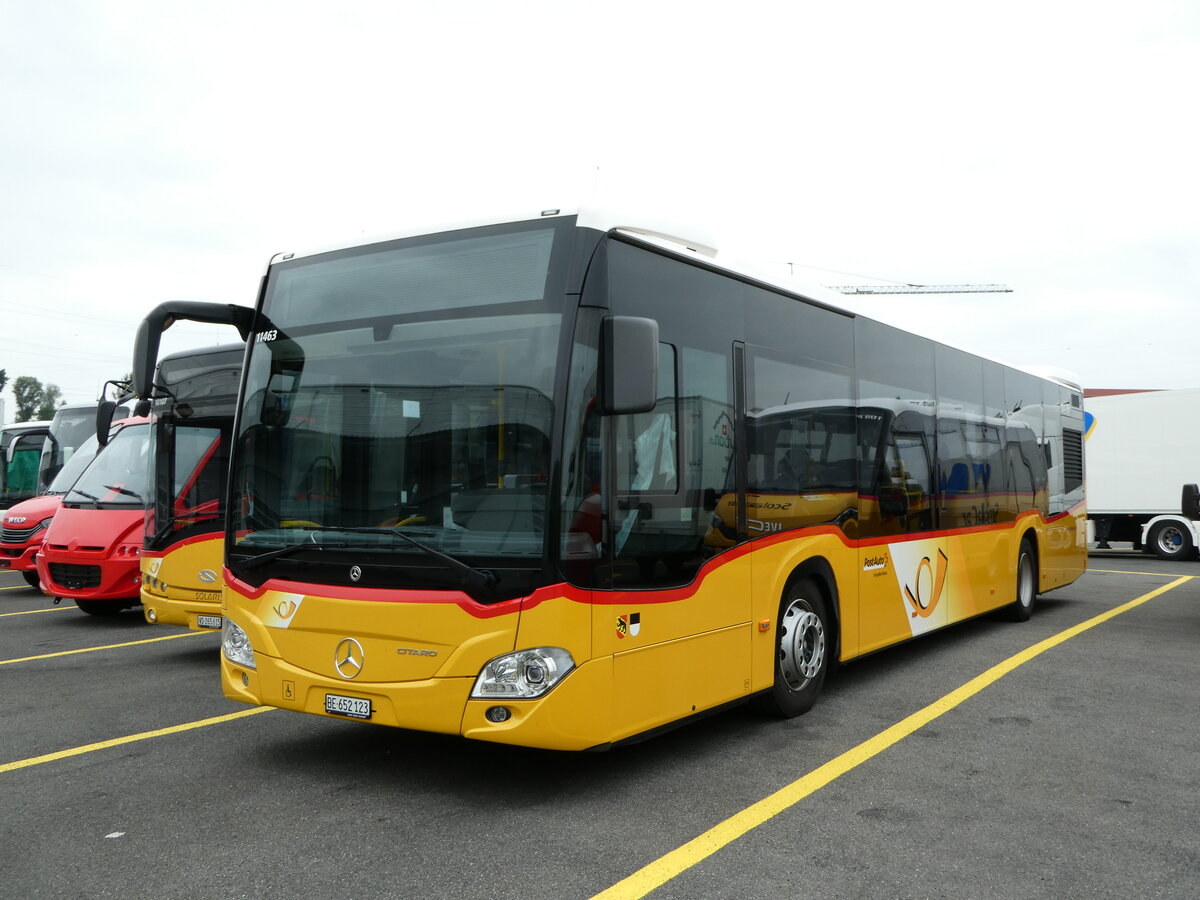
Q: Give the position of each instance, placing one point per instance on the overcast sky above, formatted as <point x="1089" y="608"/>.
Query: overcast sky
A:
<point x="166" y="150"/>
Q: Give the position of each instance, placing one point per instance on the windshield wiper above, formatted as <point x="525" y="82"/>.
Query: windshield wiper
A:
<point x="254" y="562"/>
<point x="95" y="500"/>
<point x="125" y="491"/>
<point x="472" y="578"/>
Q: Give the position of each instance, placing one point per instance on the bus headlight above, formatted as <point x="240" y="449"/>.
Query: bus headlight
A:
<point x="524" y="674"/>
<point x="236" y="645"/>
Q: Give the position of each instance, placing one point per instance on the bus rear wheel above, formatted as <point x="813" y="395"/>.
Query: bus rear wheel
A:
<point x="1022" y="607"/>
<point x="802" y="646"/>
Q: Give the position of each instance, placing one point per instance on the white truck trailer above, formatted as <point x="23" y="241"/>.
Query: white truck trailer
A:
<point x="1141" y="474"/>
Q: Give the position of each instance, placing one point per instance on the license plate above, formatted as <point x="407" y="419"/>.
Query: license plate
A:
<point x="208" y="596"/>
<point x="208" y="621"/>
<point x="354" y="707"/>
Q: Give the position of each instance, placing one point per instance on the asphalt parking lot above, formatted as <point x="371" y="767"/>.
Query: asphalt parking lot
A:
<point x="990" y="760"/>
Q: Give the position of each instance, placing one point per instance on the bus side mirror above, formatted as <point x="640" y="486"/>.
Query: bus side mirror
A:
<point x="145" y="353"/>
<point x="104" y="417"/>
<point x="629" y="359"/>
<point x="159" y="319"/>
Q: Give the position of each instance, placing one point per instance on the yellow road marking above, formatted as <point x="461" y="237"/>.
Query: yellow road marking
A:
<point x="116" y="742"/>
<point x="663" y="869"/>
<point x="169" y="637"/>
<point x="29" y="612"/>
<point x="1124" y="572"/>
<point x="17" y="587"/>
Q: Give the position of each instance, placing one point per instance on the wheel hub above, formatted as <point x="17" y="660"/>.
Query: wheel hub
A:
<point x="1025" y="581"/>
<point x="802" y="648"/>
<point x="1170" y="539"/>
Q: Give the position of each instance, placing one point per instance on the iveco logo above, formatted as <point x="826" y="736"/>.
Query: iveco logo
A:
<point x="16" y="520"/>
<point x="348" y="658"/>
<point x="355" y="573"/>
<point x="208" y="576"/>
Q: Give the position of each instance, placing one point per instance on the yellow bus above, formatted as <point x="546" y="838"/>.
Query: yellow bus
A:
<point x="524" y="482"/>
<point x="195" y="395"/>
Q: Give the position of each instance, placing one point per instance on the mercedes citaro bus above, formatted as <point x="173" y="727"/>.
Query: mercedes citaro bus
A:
<point x="513" y="480"/>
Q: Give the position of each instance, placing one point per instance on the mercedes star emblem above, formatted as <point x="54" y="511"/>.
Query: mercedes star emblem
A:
<point x="355" y="573"/>
<point x="348" y="658"/>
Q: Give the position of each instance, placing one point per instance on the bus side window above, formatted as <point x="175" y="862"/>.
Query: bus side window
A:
<point x="647" y="460"/>
<point x="913" y="476"/>
<point x="647" y="443"/>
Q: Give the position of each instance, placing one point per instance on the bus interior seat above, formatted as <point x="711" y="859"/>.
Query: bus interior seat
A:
<point x="958" y="481"/>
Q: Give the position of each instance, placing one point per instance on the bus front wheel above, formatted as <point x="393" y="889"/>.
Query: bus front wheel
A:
<point x="101" y="607"/>
<point x="802" y="646"/>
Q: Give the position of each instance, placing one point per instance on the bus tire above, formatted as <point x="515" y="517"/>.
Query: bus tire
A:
<point x="803" y="642"/>
<point x="1170" y="540"/>
<point x="31" y="578"/>
<point x="101" y="607"/>
<point x="1022" y="607"/>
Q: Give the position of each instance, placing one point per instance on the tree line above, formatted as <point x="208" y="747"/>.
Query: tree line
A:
<point x="34" y="399"/>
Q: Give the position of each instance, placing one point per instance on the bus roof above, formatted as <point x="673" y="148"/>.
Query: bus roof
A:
<point x="19" y="427"/>
<point x="676" y="236"/>
<point x="685" y="240"/>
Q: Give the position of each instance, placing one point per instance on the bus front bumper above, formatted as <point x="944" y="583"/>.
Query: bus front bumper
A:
<point x="192" y="611"/>
<point x="20" y="558"/>
<point x="88" y="576"/>
<point x="572" y="716"/>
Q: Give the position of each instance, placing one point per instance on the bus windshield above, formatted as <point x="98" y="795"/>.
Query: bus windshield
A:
<point x="20" y="449"/>
<point x="74" y="466"/>
<point x="409" y="389"/>
<point x="118" y="475"/>
<point x="72" y="425"/>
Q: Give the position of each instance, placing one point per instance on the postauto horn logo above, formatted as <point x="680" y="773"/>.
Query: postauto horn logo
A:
<point x="928" y="591"/>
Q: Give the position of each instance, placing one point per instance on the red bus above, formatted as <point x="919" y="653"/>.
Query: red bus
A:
<point x="91" y="551"/>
